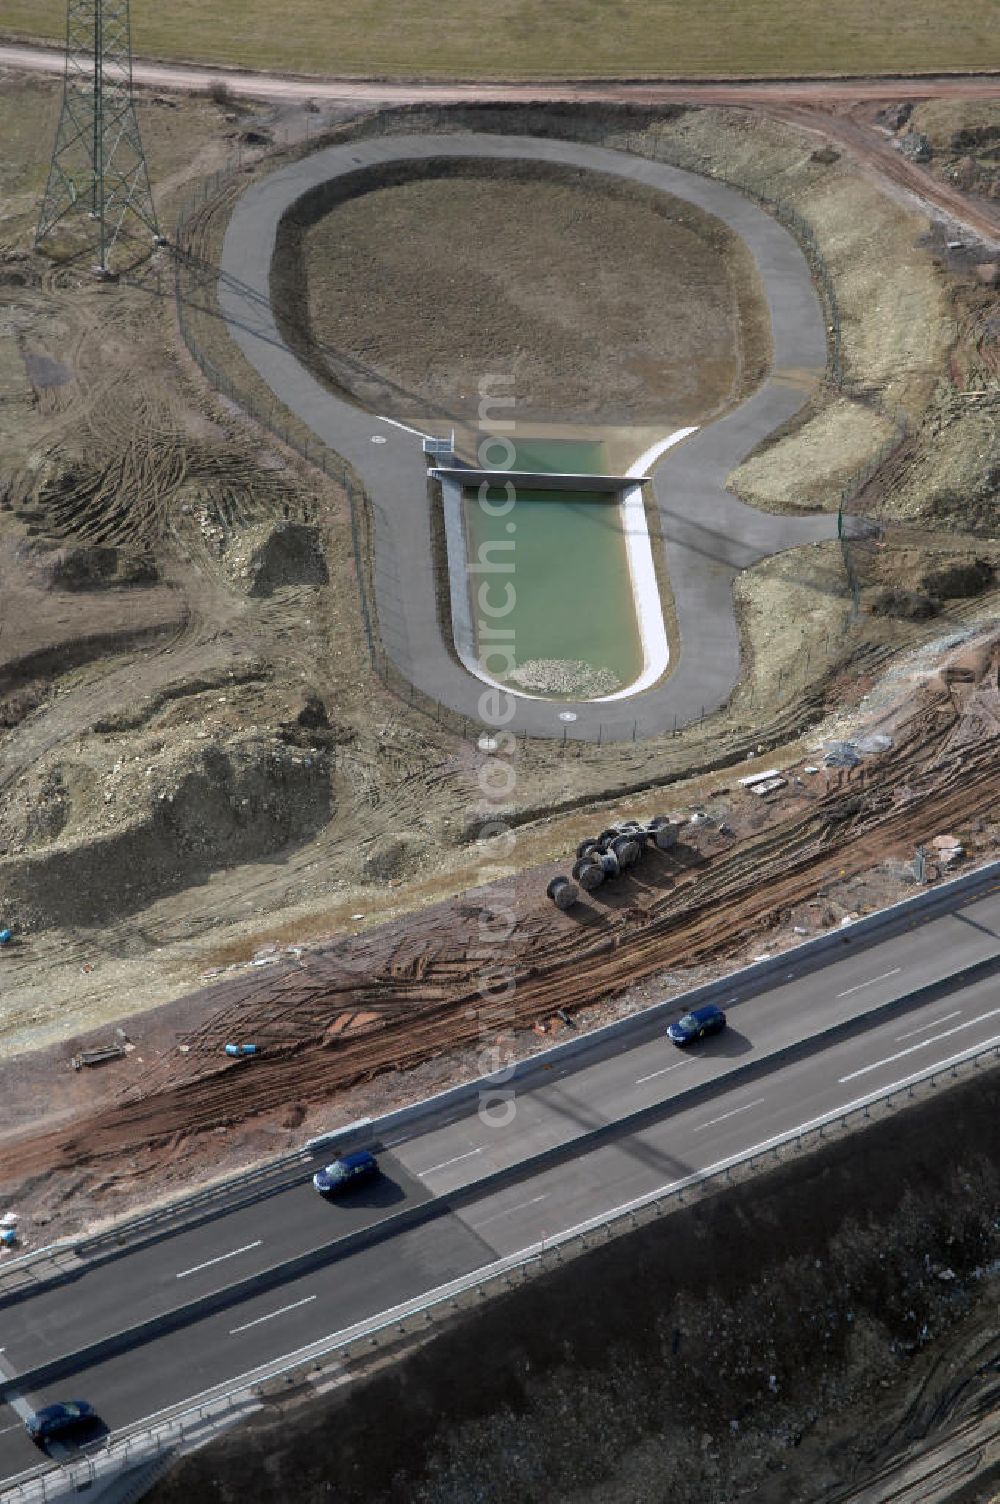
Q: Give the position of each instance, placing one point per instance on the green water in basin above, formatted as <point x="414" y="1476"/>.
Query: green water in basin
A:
<point x="560" y="456"/>
<point x="572" y="600"/>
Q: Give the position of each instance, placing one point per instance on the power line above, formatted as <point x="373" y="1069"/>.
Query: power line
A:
<point x="98" y="166"/>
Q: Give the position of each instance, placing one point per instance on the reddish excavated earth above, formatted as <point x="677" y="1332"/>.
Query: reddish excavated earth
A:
<point x="410" y="992"/>
<point x="829" y="119"/>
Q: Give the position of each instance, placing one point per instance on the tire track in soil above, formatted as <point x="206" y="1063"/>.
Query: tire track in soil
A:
<point x="874" y="151"/>
<point x="401" y="995"/>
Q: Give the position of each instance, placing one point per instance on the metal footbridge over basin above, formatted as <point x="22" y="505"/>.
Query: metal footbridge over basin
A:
<point x="537" y="480"/>
<point x="709" y="535"/>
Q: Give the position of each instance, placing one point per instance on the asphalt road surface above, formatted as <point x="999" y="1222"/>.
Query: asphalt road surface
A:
<point x="693" y="1130"/>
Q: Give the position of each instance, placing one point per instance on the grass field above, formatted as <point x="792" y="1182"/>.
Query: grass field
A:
<point x="541" y="38"/>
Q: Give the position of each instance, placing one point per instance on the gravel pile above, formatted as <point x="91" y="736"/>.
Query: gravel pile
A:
<point x="565" y="676"/>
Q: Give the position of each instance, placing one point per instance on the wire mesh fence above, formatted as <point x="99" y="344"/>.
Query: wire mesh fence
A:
<point x="196" y="274"/>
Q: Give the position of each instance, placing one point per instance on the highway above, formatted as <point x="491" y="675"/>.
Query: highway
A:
<point x="699" y="1107"/>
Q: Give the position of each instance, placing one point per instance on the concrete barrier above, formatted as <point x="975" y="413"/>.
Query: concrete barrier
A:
<point x="423" y="1212"/>
<point x="203" y="1206"/>
<point x="447" y="1104"/>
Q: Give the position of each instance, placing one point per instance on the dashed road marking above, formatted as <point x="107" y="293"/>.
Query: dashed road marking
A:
<point x="712" y="1121"/>
<point x="270" y="1315"/>
<point x="446" y="1162"/>
<point x="871" y="983"/>
<point x="912" y="1033"/>
<point x="665" y="1071"/>
<point x="220" y="1260"/>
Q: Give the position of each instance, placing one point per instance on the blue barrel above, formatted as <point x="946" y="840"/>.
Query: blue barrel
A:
<point x="232" y="1049"/>
<point x="5" y="937"/>
<point x="249" y="1049"/>
<point x="8" y="1237"/>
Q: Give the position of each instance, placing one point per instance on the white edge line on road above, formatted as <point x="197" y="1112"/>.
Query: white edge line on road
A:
<point x="665" y="1072"/>
<point x="910" y="1049"/>
<point x="347" y="1334"/>
<point x="221" y="1259"/>
<point x="871" y="983"/>
<point x="271" y="1315"/>
<point x="446" y="1162"/>
<point x="735" y="1112"/>
<point x="405" y="427"/>
<point x="768" y="1143"/>
<point x="912" y="1033"/>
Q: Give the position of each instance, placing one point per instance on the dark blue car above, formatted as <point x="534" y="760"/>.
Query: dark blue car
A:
<point x="59" y="1420"/>
<point x="348" y="1170"/>
<point x="696" y="1024"/>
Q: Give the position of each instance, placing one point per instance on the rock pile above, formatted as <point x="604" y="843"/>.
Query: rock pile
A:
<point x="565" y="676"/>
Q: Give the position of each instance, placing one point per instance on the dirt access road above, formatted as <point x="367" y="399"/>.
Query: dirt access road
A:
<point x="816" y="103"/>
<point x="815" y="92"/>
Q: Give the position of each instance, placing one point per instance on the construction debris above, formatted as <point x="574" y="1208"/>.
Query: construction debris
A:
<point x="948" y="849"/>
<point x="609" y="854"/>
<point x="99" y="1055"/>
<point x="762" y="786"/>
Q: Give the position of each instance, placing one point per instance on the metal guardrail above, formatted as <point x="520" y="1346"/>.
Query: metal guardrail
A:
<point x="417" y="1213"/>
<point x="251" y="1185"/>
<point x="184" y="1423"/>
<point x="238" y="1190"/>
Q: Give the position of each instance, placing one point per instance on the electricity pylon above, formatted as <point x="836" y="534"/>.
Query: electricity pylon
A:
<point x="98" y="167"/>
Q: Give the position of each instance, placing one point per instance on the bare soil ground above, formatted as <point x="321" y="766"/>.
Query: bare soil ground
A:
<point x="247" y="783"/>
<point x="602" y="303"/>
<point x="334" y="1017"/>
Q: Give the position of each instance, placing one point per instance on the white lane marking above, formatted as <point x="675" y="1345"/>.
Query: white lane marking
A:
<point x="862" y="985"/>
<point x="876" y="1064"/>
<point x="221" y="1259"/>
<point x="912" y="1033"/>
<point x="665" y="1072"/>
<point x="446" y="1162"/>
<point x="270" y="1315"/>
<point x="5" y="1429"/>
<point x="509" y="1211"/>
<point x="406" y="427"/>
<point x="768" y="1143"/>
<point x="711" y="1124"/>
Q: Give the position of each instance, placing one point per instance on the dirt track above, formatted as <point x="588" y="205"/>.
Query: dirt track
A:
<point x="875" y="149"/>
<point x="817" y="104"/>
<point x="640" y="91"/>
